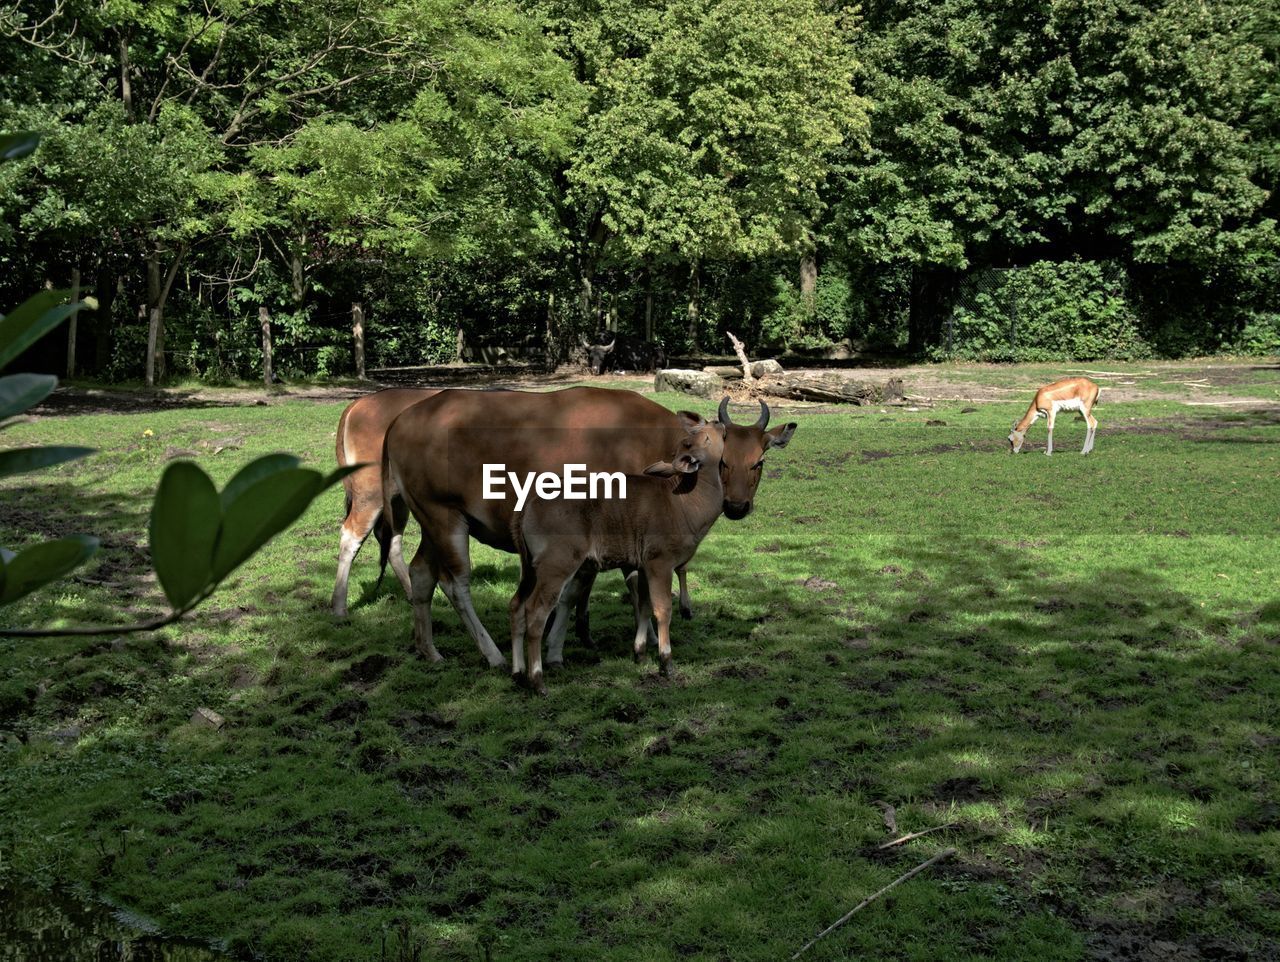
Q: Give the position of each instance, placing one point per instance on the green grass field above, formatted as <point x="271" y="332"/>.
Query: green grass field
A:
<point x="1074" y="662"/>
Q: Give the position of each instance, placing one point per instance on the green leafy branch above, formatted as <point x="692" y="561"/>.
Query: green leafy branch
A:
<point x="198" y="534"/>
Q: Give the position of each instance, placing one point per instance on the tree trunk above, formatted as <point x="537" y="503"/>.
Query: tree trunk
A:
<point x="357" y="332"/>
<point x="126" y="86"/>
<point x="157" y="294"/>
<point x="264" y="321"/>
<point x="584" y="301"/>
<point x="809" y="284"/>
<point x="153" y="332"/>
<point x="648" y="305"/>
<point x="549" y="347"/>
<point x="931" y="292"/>
<point x="71" y="324"/>
<point x="832" y="387"/>
<point x="296" y="276"/>
<point x="693" y="304"/>
<point x="155" y="313"/>
<point x="459" y="343"/>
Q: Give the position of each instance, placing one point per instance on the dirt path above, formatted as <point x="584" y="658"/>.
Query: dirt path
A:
<point x="1231" y="384"/>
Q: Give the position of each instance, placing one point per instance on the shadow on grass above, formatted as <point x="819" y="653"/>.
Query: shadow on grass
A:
<point x="1085" y="727"/>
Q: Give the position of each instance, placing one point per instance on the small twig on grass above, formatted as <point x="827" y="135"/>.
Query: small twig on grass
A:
<point x="945" y="853"/>
<point x="907" y="838"/>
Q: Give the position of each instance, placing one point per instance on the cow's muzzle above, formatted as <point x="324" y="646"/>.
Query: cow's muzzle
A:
<point x="737" y="510"/>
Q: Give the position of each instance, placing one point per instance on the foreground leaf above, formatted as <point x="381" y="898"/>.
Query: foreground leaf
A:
<point x="260" y="512"/>
<point x="22" y="460"/>
<point x="185" y="517"/>
<point x="255" y="471"/>
<point x="42" y="563"/>
<point x="19" y="392"/>
<point x="31" y="320"/>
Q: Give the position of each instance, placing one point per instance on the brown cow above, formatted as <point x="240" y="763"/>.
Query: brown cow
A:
<point x="667" y="512"/>
<point x="436" y="451"/>
<point x="362" y="429"/>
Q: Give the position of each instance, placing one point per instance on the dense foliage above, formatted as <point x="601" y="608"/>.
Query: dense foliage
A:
<point x="527" y="170"/>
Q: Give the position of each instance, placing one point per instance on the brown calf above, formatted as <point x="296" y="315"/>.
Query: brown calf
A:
<point x="656" y="528"/>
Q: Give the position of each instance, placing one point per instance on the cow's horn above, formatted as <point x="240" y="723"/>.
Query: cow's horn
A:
<point x="609" y="347"/>
<point x="764" y="416"/>
<point x="724" y="411"/>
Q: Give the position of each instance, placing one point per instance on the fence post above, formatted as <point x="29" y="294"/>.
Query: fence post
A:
<point x="357" y="332"/>
<point x="71" y="325"/>
<point x="153" y="331"/>
<point x="1013" y="322"/>
<point x="264" y="319"/>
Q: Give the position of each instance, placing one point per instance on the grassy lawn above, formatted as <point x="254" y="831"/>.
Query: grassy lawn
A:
<point x="1073" y="661"/>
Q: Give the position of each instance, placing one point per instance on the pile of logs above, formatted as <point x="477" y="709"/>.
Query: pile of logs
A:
<point x="769" y="379"/>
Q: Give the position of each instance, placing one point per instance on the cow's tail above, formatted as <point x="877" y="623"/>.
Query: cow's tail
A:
<point x="382" y="531"/>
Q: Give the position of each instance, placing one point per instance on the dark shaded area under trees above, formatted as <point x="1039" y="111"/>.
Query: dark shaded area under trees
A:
<point x="1084" y="178"/>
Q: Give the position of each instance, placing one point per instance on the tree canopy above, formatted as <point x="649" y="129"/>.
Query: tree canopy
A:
<point x="519" y="168"/>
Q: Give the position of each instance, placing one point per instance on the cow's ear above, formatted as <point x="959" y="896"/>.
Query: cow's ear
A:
<point x="687" y="463"/>
<point x="690" y="420"/>
<point x="779" y="436"/>
<point x="660" y="469"/>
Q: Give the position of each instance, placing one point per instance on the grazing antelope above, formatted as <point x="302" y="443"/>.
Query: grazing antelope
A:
<point x="1069" y="394"/>
<point x="435" y="455"/>
<point x="667" y="512"/>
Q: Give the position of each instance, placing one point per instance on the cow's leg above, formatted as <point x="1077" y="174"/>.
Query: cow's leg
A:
<point x="686" y="606"/>
<point x="576" y="591"/>
<point x="451" y="552"/>
<point x="549" y="582"/>
<point x="659" y="577"/>
<point x="393" y="530"/>
<point x="422" y="588"/>
<point x="582" y="624"/>
<point x="640" y="601"/>
<point x="354" y="533"/>
<point x="518" y="623"/>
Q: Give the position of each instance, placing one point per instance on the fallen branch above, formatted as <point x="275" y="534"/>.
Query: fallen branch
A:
<point x="740" y="349"/>
<point x="909" y="837"/>
<point x="945" y="853"/>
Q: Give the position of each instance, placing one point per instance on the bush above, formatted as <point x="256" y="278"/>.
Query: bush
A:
<point x="1047" y="311"/>
<point x="1260" y="336"/>
<point x="788" y="325"/>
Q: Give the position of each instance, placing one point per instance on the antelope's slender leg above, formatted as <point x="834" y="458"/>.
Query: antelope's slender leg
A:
<point x="1051" y="417"/>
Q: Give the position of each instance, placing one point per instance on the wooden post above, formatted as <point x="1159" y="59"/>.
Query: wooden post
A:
<point x="357" y="331"/>
<point x="153" y="330"/>
<point x="71" y="324"/>
<point x="264" y="319"/>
